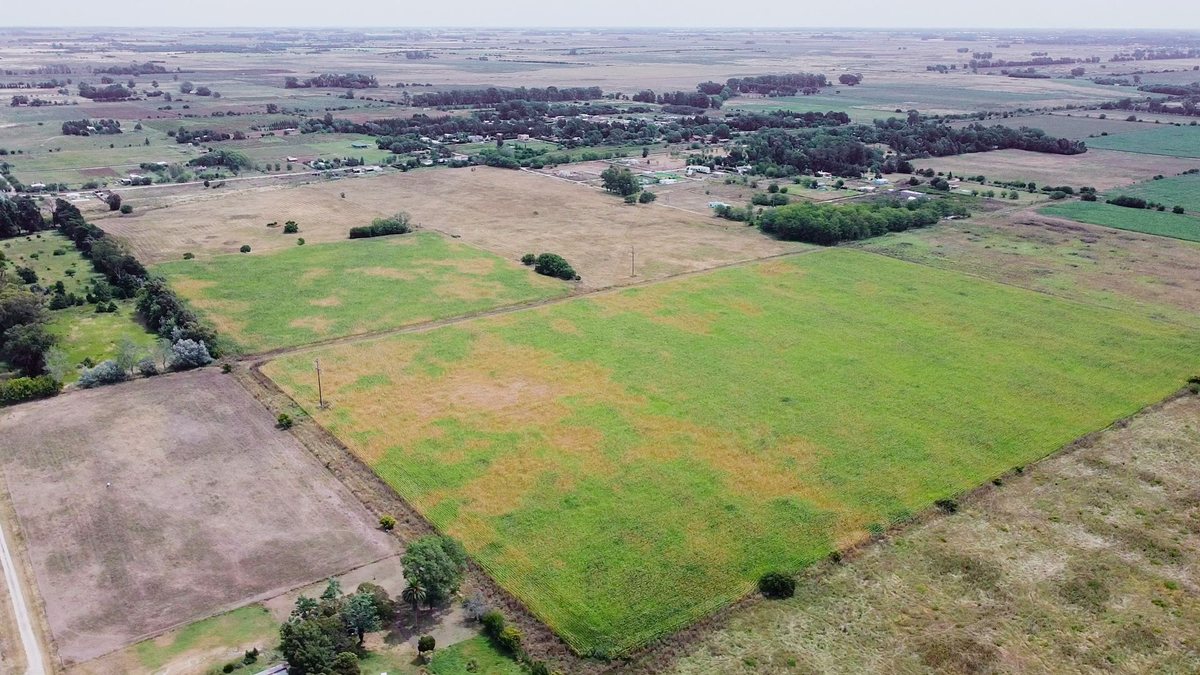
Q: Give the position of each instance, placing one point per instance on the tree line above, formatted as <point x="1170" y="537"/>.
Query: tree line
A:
<point x="109" y="92"/>
<point x="87" y="127"/>
<point x="332" y="80"/>
<point x="827" y="224"/>
<point x="494" y="95"/>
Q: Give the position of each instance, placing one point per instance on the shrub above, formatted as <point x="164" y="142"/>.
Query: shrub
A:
<point x="528" y="259"/>
<point x="245" y="248"/>
<point x="250" y="656"/>
<point x="426" y="643"/>
<point x="1193" y="384"/>
<point x="777" y="585"/>
<point x="509" y="639"/>
<point x="631" y="199"/>
<point x="187" y="354"/>
<point x="229" y="667"/>
<point x="21" y="389"/>
<point x="126" y="209"/>
<point x="554" y="265"/>
<point x="147" y="367"/>
<point x="1088" y="196"/>
<point x="1058" y="194"/>
<point x="114" y="201"/>
<point x="226" y="368"/>
<point x="493" y="623"/>
<point x="388" y="523"/>
<point x="300" y="241"/>
<point x="1128" y="202"/>
<point x="646" y="197"/>
<point x="108" y="372"/>
<point x="1177" y="209"/>
<point x="476" y="607"/>
<point x="947" y="505"/>
<point x="189" y="255"/>
<point x="397" y="224"/>
<point x="284" y="421"/>
<point x="290" y="227"/>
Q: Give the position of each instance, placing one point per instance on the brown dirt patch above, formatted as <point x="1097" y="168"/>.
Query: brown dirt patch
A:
<point x="1101" y="169"/>
<point x="508" y="212"/>
<point x="158" y="502"/>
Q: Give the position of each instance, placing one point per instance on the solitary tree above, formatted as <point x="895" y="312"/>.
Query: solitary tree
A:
<point x="414" y="594"/>
<point x="620" y="181"/>
<point x="360" y="615"/>
<point x="114" y="201"/>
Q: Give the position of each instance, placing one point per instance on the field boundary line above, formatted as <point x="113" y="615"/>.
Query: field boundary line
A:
<point x="35" y="656"/>
<point x="258" y="358"/>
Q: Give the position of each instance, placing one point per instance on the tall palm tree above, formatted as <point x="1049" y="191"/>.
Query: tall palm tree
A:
<point x="413" y="594"/>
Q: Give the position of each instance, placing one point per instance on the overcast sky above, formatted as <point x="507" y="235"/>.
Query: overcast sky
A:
<point x="1055" y="14"/>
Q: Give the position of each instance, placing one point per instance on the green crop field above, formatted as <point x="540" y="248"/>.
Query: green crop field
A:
<point x="82" y="333"/>
<point x="1161" y="140"/>
<point x="627" y="464"/>
<point x="1162" y="223"/>
<point x="1181" y="190"/>
<point x="314" y="292"/>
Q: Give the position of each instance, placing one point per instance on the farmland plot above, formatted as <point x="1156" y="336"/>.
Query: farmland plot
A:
<point x="626" y="464"/>
<point x="157" y="502"/>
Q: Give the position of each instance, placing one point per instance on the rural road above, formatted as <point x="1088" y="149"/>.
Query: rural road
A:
<point x="29" y="641"/>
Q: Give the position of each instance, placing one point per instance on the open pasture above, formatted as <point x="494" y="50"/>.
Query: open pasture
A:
<point x="1122" y="270"/>
<point x="1097" y="547"/>
<point x="1167" y="140"/>
<point x="1149" y="221"/>
<point x="1076" y="126"/>
<point x="1101" y="169"/>
<point x="507" y="212"/>
<point x="314" y="292"/>
<point x="1169" y="191"/>
<point x="628" y="463"/>
<point x="139" y="513"/>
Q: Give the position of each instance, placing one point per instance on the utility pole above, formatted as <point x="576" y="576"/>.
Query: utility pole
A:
<point x="320" y="391"/>
<point x="632" y="261"/>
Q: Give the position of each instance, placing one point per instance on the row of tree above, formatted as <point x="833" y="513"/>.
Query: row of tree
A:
<point x="108" y="92"/>
<point x="828" y="224"/>
<point x="19" y="216"/>
<point x="494" y="95"/>
<point x="333" y="80"/>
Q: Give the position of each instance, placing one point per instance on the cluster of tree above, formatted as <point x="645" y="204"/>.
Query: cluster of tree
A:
<point x="161" y="310"/>
<point x="183" y="135"/>
<point x="784" y="119"/>
<point x="1139" y="203"/>
<point x="850" y="79"/>
<point x="324" y="636"/>
<point x="86" y="127"/>
<point x="827" y="224"/>
<point x="1192" y="89"/>
<point x="515" y="110"/>
<point x="230" y="159"/>
<point x="913" y="138"/>
<point x="35" y="102"/>
<point x="493" y="95"/>
<point x="146" y="68"/>
<point x="109" y="92"/>
<point x="24" y="334"/>
<point x="550" y="265"/>
<point x="1029" y="74"/>
<point x="620" y="181"/>
<point x="380" y="227"/>
<point x="43" y="84"/>
<point x="333" y="80"/>
<point x="686" y="99"/>
<point x="18" y="389"/>
<point x="19" y="216"/>
<point x="778" y="85"/>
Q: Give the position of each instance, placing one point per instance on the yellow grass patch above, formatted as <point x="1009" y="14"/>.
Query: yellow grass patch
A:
<point x="328" y="301"/>
<point x="385" y="272"/>
<point x="317" y="324"/>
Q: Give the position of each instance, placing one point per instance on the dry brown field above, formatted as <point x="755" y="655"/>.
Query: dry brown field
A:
<point x="158" y="502"/>
<point x="507" y="212"/>
<point x="1101" y="169"/>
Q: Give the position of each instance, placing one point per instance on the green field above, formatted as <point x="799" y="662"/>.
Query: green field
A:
<point x="315" y="292"/>
<point x="457" y="659"/>
<point x="1148" y="221"/>
<point x="629" y="463"/>
<point x="1160" y="140"/>
<point x="81" y="331"/>
<point x="1181" y="190"/>
<point x="231" y="628"/>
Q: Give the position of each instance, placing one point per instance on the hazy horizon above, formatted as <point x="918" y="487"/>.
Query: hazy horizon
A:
<point x="665" y="14"/>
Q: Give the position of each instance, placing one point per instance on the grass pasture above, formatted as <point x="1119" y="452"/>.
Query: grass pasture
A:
<point x="628" y="463"/>
<point x="1101" y="169"/>
<point x="1084" y="564"/>
<point x="1172" y="190"/>
<point x="1161" y="223"/>
<point x="140" y="514"/>
<point x="82" y="333"/>
<point x="1166" y="140"/>
<point x="308" y="293"/>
